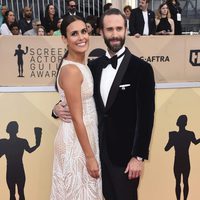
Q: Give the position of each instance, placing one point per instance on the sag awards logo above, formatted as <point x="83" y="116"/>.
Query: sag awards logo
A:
<point x="19" y="52"/>
<point x="195" y="58"/>
<point x="151" y="59"/>
<point x="39" y="62"/>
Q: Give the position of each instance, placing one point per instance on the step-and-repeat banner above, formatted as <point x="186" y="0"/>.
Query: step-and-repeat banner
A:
<point x="27" y="130"/>
<point x="176" y="132"/>
<point x="33" y="61"/>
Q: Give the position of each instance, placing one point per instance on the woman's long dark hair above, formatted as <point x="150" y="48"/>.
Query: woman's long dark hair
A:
<point x="63" y="29"/>
<point x="6" y="19"/>
<point x="47" y="11"/>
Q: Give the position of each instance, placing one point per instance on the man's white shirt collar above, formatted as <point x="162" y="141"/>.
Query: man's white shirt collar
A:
<point x="118" y="53"/>
<point x="108" y="76"/>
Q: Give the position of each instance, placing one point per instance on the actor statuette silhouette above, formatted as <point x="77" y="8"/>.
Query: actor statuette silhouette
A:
<point x="181" y="141"/>
<point x="13" y="149"/>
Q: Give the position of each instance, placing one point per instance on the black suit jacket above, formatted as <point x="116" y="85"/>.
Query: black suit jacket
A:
<point x="125" y="123"/>
<point x="136" y="22"/>
<point x="77" y="13"/>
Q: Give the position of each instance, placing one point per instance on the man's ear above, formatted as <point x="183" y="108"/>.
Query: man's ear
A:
<point x="101" y="32"/>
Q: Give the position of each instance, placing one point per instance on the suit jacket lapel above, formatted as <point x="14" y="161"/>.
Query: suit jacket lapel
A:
<point x="149" y="18"/>
<point x="141" y="18"/>
<point x="118" y="78"/>
<point x="97" y="86"/>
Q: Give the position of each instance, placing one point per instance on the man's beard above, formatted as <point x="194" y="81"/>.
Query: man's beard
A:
<point x="114" y="48"/>
<point x="72" y="10"/>
<point x="28" y="16"/>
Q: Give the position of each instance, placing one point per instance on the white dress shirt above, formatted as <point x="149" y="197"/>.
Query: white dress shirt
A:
<point x="108" y="75"/>
<point x="146" y="23"/>
<point x="107" y="78"/>
<point x="4" y="30"/>
<point x="128" y="31"/>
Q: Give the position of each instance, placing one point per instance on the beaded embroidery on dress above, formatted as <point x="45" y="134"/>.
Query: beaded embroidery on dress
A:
<point x="71" y="180"/>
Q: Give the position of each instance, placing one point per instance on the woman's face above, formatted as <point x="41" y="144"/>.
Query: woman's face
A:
<point x="51" y="10"/>
<point x="164" y="10"/>
<point x="89" y="28"/>
<point x="15" y="30"/>
<point x="77" y="38"/>
<point x="59" y="23"/>
<point x="3" y="10"/>
<point x="40" y="31"/>
<point x="127" y="13"/>
<point x="11" y="17"/>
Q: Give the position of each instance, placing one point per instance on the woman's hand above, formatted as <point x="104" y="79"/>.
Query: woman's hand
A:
<point x="92" y="167"/>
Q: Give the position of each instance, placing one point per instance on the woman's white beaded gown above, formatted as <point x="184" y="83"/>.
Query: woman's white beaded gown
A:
<point x="71" y="180"/>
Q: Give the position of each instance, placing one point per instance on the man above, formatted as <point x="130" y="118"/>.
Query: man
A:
<point x="25" y="23"/>
<point x="142" y="20"/>
<point x="124" y="98"/>
<point x="71" y="8"/>
<point x="33" y="31"/>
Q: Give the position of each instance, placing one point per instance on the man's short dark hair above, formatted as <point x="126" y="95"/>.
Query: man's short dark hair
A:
<point x="112" y="11"/>
<point x="67" y="2"/>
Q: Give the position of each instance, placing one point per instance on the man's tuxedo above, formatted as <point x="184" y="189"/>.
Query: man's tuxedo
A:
<point x="136" y="22"/>
<point x="125" y="123"/>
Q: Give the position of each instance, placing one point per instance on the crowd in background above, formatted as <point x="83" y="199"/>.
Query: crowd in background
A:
<point x="166" y="20"/>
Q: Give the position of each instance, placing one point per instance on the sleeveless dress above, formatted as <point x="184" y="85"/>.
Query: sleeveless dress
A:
<point x="71" y="180"/>
<point x="164" y="25"/>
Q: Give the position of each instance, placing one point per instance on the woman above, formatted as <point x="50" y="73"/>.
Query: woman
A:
<point x="76" y="169"/>
<point x="50" y="20"/>
<point x="3" y="12"/>
<point x="1" y="16"/>
<point x="58" y="33"/>
<point x="164" y="23"/>
<point x="9" y="19"/>
<point x="90" y="28"/>
<point x="127" y="11"/>
<point x="175" y="10"/>
<point x="40" y="30"/>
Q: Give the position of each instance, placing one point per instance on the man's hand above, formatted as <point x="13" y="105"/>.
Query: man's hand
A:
<point x="137" y="35"/>
<point x="134" y="168"/>
<point x="62" y="111"/>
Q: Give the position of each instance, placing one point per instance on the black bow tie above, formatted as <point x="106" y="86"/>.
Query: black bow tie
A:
<point x="113" y="61"/>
